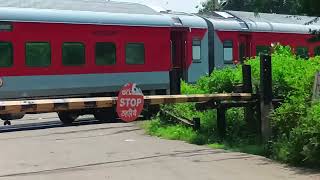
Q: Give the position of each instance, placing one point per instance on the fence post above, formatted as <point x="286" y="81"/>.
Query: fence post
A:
<point x="221" y="121"/>
<point x="175" y="81"/>
<point x="196" y="124"/>
<point x="247" y="79"/>
<point x="247" y="88"/>
<point x="266" y="95"/>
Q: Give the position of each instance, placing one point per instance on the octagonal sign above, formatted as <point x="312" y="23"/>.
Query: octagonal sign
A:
<point x="130" y="102"/>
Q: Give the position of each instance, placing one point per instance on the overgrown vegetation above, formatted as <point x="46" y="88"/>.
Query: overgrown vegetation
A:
<point x="296" y="123"/>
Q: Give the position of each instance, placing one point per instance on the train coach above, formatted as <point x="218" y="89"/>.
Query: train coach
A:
<point x="79" y="48"/>
<point x="237" y="35"/>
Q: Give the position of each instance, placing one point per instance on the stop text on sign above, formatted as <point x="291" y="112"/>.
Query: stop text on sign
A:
<point x="130" y="102"/>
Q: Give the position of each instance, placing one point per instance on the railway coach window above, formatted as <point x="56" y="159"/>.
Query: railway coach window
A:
<point x="135" y="53"/>
<point x="196" y="51"/>
<point x="105" y="53"/>
<point x="228" y="52"/>
<point x="302" y="52"/>
<point x="73" y="54"/>
<point x="6" y="54"/>
<point x="38" y="54"/>
<point x="317" y="51"/>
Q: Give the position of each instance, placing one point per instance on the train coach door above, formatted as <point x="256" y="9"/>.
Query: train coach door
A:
<point x="178" y="51"/>
<point x="244" y="47"/>
<point x="178" y="58"/>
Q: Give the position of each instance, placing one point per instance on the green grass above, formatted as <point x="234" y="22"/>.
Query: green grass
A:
<point x="217" y="146"/>
<point x="180" y="132"/>
<point x="244" y="148"/>
<point x="250" y="149"/>
<point x="173" y="132"/>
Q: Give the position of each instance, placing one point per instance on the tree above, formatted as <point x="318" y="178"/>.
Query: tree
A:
<point x="239" y="5"/>
<point x="209" y="6"/>
<point x="309" y="7"/>
<point x="296" y="7"/>
<point x="293" y="7"/>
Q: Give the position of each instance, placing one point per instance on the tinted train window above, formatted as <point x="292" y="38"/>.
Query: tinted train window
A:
<point x="38" y="54"/>
<point x="135" y="53"/>
<point x="196" y="51"/>
<point x="262" y="50"/>
<point x="302" y="52"/>
<point x="73" y="54"/>
<point x="105" y="53"/>
<point x="5" y="27"/>
<point x="317" y="51"/>
<point x="6" y="54"/>
<point x="228" y="52"/>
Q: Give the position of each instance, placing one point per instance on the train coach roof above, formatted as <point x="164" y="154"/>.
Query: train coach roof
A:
<point x="263" y="22"/>
<point x="81" y="5"/>
<point x="82" y="12"/>
<point x="188" y="20"/>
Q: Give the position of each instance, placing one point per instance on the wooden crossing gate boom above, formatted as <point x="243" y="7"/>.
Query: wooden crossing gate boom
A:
<point x="56" y="105"/>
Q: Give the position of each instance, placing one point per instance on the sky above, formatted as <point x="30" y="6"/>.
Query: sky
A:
<point x="175" y="5"/>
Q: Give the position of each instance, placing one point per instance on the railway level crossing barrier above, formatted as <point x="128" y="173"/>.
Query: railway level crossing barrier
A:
<point x="56" y="105"/>
<point x="257" y="109"/>
<point x="261" y="103"/>
<point x="69" y="104"/>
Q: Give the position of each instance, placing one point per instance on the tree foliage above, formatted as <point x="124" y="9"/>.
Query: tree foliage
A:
<point x="294" y="7"/>
<point x="209" y="6"/>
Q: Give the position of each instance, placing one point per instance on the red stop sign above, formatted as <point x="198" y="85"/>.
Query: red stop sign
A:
<point x="130" y="102"/>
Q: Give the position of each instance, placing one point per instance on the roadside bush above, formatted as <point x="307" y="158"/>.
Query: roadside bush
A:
<point x="191" y="89"/>
<point x="223" y="81"/>
<point x="288" y="115"/>
<point x="291" y="74"/>
<point x="302" y="146"/>
<point x="308" y="132"/>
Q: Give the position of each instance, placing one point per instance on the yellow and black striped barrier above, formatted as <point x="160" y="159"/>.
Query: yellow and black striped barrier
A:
<point x="56" y="105"/>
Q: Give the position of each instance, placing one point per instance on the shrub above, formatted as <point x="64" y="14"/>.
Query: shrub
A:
<point x="291" y="75"/>
<point x="191" y="89"/>
<point x="288" y="115"/>
<point x="221" y="81"/>
<point x="302" y="146"/>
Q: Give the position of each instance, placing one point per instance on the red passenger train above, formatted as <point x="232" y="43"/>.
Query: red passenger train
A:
<point x="78" y="48"/>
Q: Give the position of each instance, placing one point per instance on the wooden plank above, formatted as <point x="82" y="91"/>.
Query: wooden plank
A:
<point x="227" y="104"/>
<point x="45" y="107"/>
<point x="53" y="105"/>
<point x="266" y="96"/>
<point x="169" y="99"/>
<point x="221" y="122"/>
<point x="196" y="124"/>
<point x="247" y="88"/>
<point x="179" y="119"/>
